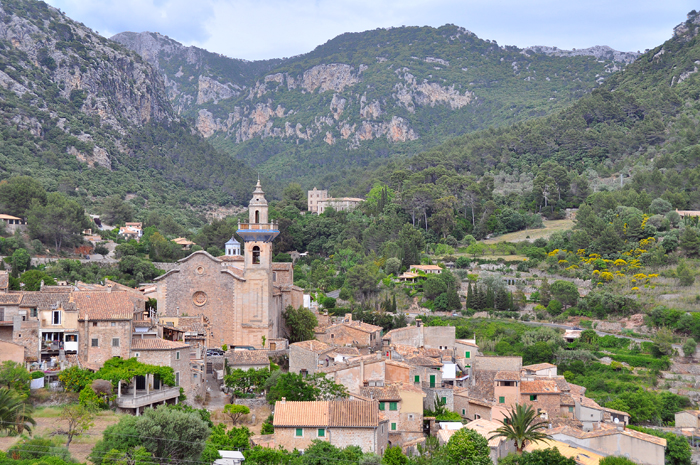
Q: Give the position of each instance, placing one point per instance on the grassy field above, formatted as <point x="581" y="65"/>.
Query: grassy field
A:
<point x="550" y="227"/>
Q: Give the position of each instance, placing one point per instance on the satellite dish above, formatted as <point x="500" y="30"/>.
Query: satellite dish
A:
<point x="616" y="420"/>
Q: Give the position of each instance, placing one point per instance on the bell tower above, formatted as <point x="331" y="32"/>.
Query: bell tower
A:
<point x="259" y="316"/>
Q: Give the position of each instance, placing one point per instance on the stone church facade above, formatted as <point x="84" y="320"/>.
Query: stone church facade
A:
<point x="243" y="296"/>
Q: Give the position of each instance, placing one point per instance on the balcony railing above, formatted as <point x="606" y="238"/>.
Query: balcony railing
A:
<point x="258" y="226"/>
<point x="142" y="399"/>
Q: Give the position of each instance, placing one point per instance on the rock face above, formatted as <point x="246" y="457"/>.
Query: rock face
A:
<point x="369" y="89"/>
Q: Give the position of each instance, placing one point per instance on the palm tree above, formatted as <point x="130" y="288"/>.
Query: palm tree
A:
<point x="522" y="425"/>
<point x="15" y="413"/>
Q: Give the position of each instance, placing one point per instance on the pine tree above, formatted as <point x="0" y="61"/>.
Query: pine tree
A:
<point x="545" y="293"/>
<point x="478" y="298"/>
<point x="393" y="304"/>
<point x="470" y="296"/>
<point x="501" y="300"/>
<point x="490" y="298"/>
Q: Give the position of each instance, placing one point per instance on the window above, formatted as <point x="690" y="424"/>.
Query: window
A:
<point x="321" y="433"/>
<point x="56" y="317"/>
<point x="177" y="355"/>
<point x="444" y="400"/>
<point x="478" y="417"/>
<point x="533" y="397"/>
<point x="177" y="378"/>
<point x="299" y="432"/>
<point x="381" y="405"/>
<point x="115" y="342"/>
<point x="257" y="216"/>
<point x="501" y="400"/>
<point x="393" y="405"/>
<point x="467" y="354"/>
<point x="95" y="342"/>
<point x="274" y="276"/>
<point x="114" y="324"/>
<point x="256" y="255"/>
<point x="416" y="379"/>
<point x="94" y="323"/>
<point x="393" y="426"/>
<point x="464" y="411"/>
<point x="571" y="410"/>
<point x="33" y="312"/>
<point x="194" y="375"/>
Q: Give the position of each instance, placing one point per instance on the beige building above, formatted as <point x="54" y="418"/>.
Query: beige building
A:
<point x="402" y="403"/>
<point x="342" y="423"/>
<point x="314" y="196"/>
<point x="339" y="204"/>
<point x="242" y="297"/>
<point x="688" y="419"/>
<point x="352" y="333"/>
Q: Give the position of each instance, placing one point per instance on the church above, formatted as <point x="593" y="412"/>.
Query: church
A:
<point x="242" y="296"/>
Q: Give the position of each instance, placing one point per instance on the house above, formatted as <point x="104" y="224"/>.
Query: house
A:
<point x="135" y="226"/>
<point x="184" y="243"/>
<point x="11" y="351"/>
<point x="342" y="423"/>
<point x="570" y="335"/>
<point x="639" y="447"/>
<point x="429" y="337"/>
<point x="306" y="357"/>
<point x="581" y="455"/>
<point x="402" y="403"/>
<point x="688" y="419"/>
<point x="230" y="457"/>
<point x="543" y="395"/>
<point x="592" y="415"/>
<point x="499" y="447"/>
<point x="475" y="408"/>
<point x="352" y="333"/>
<point x="314" y="197"/>
<point x="368" y="370"/>
<point x="338" y="204"/>
<point x="540" y="369"/>
<point x="427" y="269"/>
<point x="129" y="233"/>
<point x="13" y="223"/>
<point x="246" y="359"/>
<point x="467" y="349"/>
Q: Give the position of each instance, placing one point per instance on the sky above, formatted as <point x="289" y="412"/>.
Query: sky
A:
<point x="262" y="29"/>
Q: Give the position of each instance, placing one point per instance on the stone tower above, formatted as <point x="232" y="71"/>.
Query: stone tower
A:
<point x="260" y="315"/>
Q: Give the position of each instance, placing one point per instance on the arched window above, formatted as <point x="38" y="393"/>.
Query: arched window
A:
<point x="257" y="216"/>
<point x="256" y="253"/>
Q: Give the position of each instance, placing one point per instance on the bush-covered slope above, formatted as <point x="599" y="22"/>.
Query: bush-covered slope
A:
<point x="365" y="96"/>
<point x="90" y="118"/>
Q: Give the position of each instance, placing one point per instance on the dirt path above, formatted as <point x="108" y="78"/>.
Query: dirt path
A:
<point x="550" y="227"/>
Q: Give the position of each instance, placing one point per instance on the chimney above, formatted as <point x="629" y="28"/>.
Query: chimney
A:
<point x="348" y="317"/>
<point x="284" y="400"/>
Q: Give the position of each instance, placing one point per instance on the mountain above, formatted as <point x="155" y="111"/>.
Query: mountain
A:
<point x="363" y="97"/>
<point x="88" y="117"/>
<point x="641" y="123"/>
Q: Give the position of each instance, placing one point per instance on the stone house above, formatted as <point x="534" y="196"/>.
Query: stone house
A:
<point x="338" y="204"/>
<point x="243" y="296"/>
<point x="543" y="395"/>
<point x="688" y="419"/>
<point x="429" y="337"/>
<point x="313" y="197"/>
<point x="539" y="369"/>
<point x="246" y="359"/>
<point x="11" y="351"/>
<point x="307" y="357"/>
<point x="13" y="223"/>
<point x="425" y="371"/>
<point x="104" y="326"/>
<point x="427" y="269"/>
<point x="353" y="333"/>
<point x="403" y="406"/>
<point x="466" y="349"/>
<point x="175" y="355"/>
<point x="359" y="372"/>
<point x="639" y="447"/>
<point x="506" y="388"/>
<point x="473" y="408"/>
<point x="591" y="414"/>
<point x="342" y="423"/>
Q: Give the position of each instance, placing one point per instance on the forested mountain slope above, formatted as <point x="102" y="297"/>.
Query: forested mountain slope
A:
<point x="642" y="122"/>
<point x="367" y="96"/>
<point x="90" y="118"/>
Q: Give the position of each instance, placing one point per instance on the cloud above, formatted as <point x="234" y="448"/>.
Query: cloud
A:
<point x="259" y="29"/>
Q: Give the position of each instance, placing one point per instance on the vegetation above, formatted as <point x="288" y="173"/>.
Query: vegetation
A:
<point x="522" y="425"/>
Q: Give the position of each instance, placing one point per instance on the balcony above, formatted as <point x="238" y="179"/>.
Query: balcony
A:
<point x="258" y="226"/>
<point x="142" y="398"/>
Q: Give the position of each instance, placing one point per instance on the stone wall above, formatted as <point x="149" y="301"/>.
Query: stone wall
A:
<point x="302" y="359"/>
<point x="104" y="331"/>
<point x="438" y="336"/>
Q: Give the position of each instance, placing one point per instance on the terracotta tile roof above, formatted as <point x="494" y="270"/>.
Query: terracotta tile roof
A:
<point x="360" y="326"/>
<point x="483" y="385"/>
<point x="577" y="390"/>
<point x="46" y="300"/>
<point x="312" y="346"/>
<point x="615" y="412"/>
<point x="539" y="386"/>
<point x="54" y="289"/>
<point x="339" y="413"/>
<point x="397" y="364"/>
<point x="386" y="393"/>
<point x="231" y="258"/>
<point x="606" y="430"/>
<point x="100" y="305"/>
<point x="282" y="266"/>
<point x="538" y="366"/>
<point x="426" y="267"/>
<point x="474" y="400"/>
<point x="562" y="384"/>
<point x="10" y="299"/>
<point x="692" y="412"/>
<point x="419" y="360"/>
<point x="566" y="399"/>
<point x="3" y="216"/>
<point x="247" y="357"/>
<point x="486" y="429"/>
<point x="507" y="376"/>
<point x="466" y="343"/>
<point x="580" y="456"/>
<point x="406" y="350"/>
<point x="190" y="324"/>
<point x="156" y="344"/>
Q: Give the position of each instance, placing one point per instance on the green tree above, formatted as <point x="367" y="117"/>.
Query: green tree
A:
<point x="20" y="260"/>
<point x="15" y="412"/>
<point x="235" y="412"/>
<point x="522" y="425"/>
<point x="565" y="292"/>
<point x="293" y="194"/>
<point x="60" y="221"/>
<point x="18" y="193"/>
<point x="363" y="279"/>
<point x="75" y="379"/>
<point x="220" y="439"/>
<point x="690" y="242"/>
<point x="392" y="266"/>
<point x="467" y="447"/>
<point x="78" y="420"/>
<point x="14" y="376"/>
<point x="32" y="280"/>
<point x="545" y="293"/>
<point x="116" y="211"/>
<point x="102" y="250"/>
<point x="300" y="323"/>
<point x="685" y="274"/>
<point x="550" y="456"/>
<point x="44" y="450"/>
<point x="411" y="244"/>
<point x="616" y="460"/>
<point x="689" y="347"/>
<point x="394" y="456"/>
<point x="433" y="287"/>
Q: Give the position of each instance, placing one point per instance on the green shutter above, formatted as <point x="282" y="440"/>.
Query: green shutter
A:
<point x="393" y="405"/>
<point x="416" y="379"/>
<point x="381" y="405"/>
<point x="467" y="354"/>
<point x="444" y="400"/>
<point x="300" y="432"/>
<point x="464" y="411"/>
<point x="393" y="426"/>
<point x="321" y="433"/>
<point x="571" y="410"/>
<point x="501" y="400"/>
<point x="533" y="397"/>
<point x="432" y="380"/>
